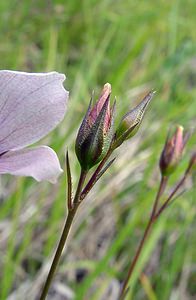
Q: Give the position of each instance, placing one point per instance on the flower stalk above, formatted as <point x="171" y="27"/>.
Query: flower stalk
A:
<point x="72" y="209"/>
<point x="177" y="187"/>
<point x="161" y="189"/>
<point x="92" y="145"/>
<point x="95" y="143"/>
<point x="59" y="251"/>
<point x="68" y="223"/>
<point x="169" y="160"/>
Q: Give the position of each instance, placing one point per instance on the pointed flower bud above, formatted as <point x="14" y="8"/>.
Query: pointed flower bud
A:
<point x="95" y="133"/>
<point x="172" y="152"/>
<point x="130" y="123"/>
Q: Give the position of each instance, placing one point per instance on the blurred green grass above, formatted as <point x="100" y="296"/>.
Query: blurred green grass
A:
<point x="135" y="46"/>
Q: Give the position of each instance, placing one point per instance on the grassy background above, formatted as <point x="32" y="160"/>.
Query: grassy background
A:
<point x="136" y="46"/>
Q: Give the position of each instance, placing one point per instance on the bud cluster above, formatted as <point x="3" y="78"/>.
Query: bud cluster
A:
<point x="96" y="134"/>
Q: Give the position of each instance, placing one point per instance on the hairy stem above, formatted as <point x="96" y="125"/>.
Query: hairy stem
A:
<point x="64" y="235"/>
<point x="145" y="235"/>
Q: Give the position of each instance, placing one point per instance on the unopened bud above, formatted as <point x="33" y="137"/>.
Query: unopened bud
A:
<point x="96" y="131"/>
<point x="130" y="123"/>
<point x="172" y="152"/>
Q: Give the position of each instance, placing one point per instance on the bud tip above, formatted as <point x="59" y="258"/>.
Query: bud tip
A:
<point x="107" y="87"/>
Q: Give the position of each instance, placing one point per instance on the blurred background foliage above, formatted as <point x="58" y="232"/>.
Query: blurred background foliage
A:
<point x="136" y="46"/>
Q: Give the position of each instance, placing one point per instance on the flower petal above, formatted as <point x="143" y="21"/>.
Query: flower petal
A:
<point x="39" y="162"/>
<point x="31" y="105"/>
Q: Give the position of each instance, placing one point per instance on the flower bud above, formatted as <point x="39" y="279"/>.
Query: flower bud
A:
<point x="96" y="131"/>
<point x="172" y="152"/>
<point x="130" y="123"/>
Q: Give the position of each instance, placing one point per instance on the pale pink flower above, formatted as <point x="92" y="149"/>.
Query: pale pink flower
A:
<point x="31" y="105"/>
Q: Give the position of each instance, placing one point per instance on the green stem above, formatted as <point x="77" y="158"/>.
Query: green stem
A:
<point x="93" y="178"/>
<point x="80" y="185"/>
<point x="145" y="235"/>
<point x="64" y="235"/>
<point x="167" y="202"/>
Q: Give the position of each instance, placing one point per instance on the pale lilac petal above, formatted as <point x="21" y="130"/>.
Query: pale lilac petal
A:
<point x="39" y="162"/>
<point x="31" y="105"/>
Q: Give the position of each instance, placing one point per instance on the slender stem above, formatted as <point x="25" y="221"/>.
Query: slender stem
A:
<point x="58" y="253"/>
<point x="93" y="178"/>
<point x="80" y="185"/>
<point x="167" y="202"/>
<point x="180" y="183"/>
<point x="66" y="229"/>
<point x="161" y="189"/>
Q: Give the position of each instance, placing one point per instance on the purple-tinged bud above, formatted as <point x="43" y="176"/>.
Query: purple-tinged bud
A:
<point x="96" y="131"/>
<point x="172" y="152"/>
<point x="130" y="123"/>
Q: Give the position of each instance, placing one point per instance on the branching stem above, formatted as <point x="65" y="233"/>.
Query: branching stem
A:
<point x="161" y="189"/>
<point x="93" y="178"/>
